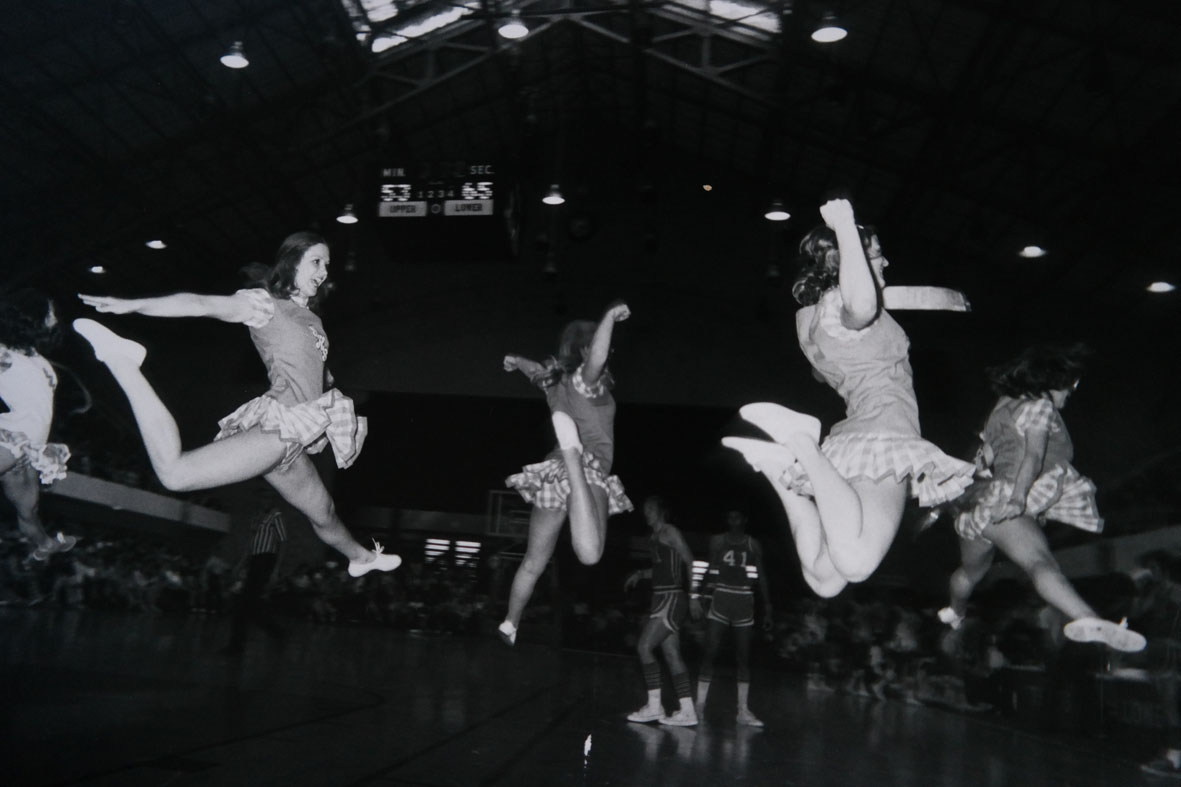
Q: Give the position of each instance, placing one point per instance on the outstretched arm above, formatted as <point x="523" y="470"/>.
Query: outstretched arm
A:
<point x="227" y="308"/>
<point x="600" y="347"/>
<point x="519" y="363"/>
<point x="859" y="291"/>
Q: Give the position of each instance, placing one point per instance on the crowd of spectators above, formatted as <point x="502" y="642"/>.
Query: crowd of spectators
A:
<point x="129" y="572"/>
<point x="878" y="644"/>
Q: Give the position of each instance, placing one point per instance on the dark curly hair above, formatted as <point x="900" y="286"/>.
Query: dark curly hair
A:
<point x="1039" y="369"/>
<point x="575" y="337"/>
<point x="279" y="279"/>
<point x="819" y="262"/>
<point x="22" y="322"/>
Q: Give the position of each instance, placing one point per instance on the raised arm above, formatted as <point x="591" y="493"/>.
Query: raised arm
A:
<point x="859" y="290"/>
<point x="227" y="308"/>
<point x="600" y="347"/>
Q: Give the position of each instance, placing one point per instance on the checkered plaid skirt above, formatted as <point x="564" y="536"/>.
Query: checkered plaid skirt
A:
<point x="48" y="459"/>
<point x="1061" y="494"/>
<point x="547" y="485"/>
<point x="934" y="476"/>
<point x="305" y="427"/>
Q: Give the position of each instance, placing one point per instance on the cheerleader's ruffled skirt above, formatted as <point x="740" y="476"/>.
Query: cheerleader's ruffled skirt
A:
<point x="547" y="484"/>
<point x="306" y="427"/>
<point x="48" y="459"/>
<point x="1061" y="494"/>
<point x="934" y="477"/>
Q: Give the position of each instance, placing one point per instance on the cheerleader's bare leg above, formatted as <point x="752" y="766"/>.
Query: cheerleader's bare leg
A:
<point x="237" y="458"/>
<point x="860" y="518"/>
<point x="300" y="485"/>
<point x="975" y="559"/>
<point x="1024" y="542"/>
<point x="22" y="487"/>
<point x="544" y="527"/>
<point x="587" y="504"/>
<point x="803" y="519"/>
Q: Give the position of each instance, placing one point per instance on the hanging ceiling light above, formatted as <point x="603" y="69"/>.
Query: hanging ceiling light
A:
<point x="513" y="28"/>
<point x="554" y="197"/>
<point x="347" y="216"/>
<point x="1032" y="252"/>
<point x="1161" y="286"/>
<point x="777" y="211"/>
<point x="235" y="57"/>
<point x="156" y="244"/>
<point x="829" y="30"/>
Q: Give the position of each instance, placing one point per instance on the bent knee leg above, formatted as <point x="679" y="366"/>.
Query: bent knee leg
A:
<point x="589" y="555"/>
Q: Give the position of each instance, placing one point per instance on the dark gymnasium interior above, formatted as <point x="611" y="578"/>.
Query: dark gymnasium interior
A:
<point x="1022" y="153"/>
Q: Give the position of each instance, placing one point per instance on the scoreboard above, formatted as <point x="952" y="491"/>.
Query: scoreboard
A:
<point x="455" y="188"/>
<point x="439" y="211"/>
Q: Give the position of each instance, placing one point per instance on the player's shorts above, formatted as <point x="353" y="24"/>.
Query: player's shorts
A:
<point x="734" y="608"/>
<point x="670" y="607"/>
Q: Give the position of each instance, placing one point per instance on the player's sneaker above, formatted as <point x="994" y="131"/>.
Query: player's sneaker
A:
<point x="646" y="714"/>
<point x="684" y="717"/>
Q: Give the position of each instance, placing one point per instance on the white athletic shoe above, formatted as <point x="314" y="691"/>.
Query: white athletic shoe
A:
<point x="780" y="422"/>
<point x="59" y="543"/>
<point x="762" y="455"/>
<point x="951" y="617"/>
<point x="646" y="714"/>
<point x="508" y="633"/>
<point x="1115" y="636"/>
<point x="108" y="345"/>
<point x="381" y="562"/>
<point x="684" y="717"/>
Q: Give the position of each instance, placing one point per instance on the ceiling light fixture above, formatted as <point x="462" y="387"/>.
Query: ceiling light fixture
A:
<point x="347" y="216"/>
<point x="235" y="57"/>
<point x="777" y="211"/>
<point x="156" y="244"/>
<point x="98" y="269"/>
<point x="1161" y="286"/>
<point x="1032" y="252"/>
<point x="554" y="196"/>
<point x="829" y="30"/>
<point x="513" y="28"/>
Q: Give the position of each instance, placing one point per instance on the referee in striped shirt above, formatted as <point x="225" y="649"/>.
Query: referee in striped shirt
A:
<point x="267" y="539"/>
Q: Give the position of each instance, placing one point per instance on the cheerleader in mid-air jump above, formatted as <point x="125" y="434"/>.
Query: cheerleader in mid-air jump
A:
<point x="844" y="499"/>
<point x="1027" y="477"/>
<point x="28" y="327"/>
<point x="271" y="435"/>
<point x="575" y="480"/>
